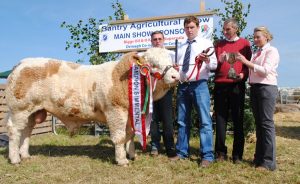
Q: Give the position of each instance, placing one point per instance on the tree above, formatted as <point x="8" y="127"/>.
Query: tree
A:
<point x="85" y="36"/>
<point x="233" y="9"/>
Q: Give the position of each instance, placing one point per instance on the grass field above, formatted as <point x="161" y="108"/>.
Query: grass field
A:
<point x="89" y="159"/>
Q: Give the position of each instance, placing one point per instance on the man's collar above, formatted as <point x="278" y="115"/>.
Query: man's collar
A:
<point x="233" y="40"/>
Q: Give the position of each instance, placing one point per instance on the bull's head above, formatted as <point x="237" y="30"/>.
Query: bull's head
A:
<point x="161" y="65"/>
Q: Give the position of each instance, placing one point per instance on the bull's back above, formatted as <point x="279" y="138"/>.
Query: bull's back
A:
<point x="59" y="87"/>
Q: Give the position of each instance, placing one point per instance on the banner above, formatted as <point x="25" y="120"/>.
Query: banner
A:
<point x="137" y="35"/>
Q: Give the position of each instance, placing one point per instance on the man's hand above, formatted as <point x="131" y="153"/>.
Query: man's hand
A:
<point x="204" y="57"/>
<point x="241" y="58"/>
<point x="222" y="57"/>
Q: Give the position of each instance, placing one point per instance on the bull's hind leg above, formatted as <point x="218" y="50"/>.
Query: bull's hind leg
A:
<point x="117" y="119"/>
<point x="15" y="125"/>
<point x="35" y="118"/>
<point x="24" y="141"/>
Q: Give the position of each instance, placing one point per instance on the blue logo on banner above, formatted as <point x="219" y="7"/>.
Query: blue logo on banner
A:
<point x="104" y="37"/>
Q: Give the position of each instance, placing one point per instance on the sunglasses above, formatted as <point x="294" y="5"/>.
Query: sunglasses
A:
<point x="156" y="39"/>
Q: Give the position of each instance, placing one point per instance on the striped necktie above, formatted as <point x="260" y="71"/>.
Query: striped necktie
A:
<point x="187" y="55"/>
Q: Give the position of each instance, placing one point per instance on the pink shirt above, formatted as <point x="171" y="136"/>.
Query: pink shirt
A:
<point x="265" y="62"/>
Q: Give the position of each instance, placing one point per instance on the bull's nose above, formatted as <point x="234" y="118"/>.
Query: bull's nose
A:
<point x="175" y="77"/>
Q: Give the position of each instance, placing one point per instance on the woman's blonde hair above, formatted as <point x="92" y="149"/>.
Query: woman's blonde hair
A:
<point x="265" y="31"/>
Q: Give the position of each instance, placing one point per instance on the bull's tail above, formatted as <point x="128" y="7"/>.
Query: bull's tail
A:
<point x="7" y="121"/>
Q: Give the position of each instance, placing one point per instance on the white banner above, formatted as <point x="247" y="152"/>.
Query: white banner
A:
<point x="136" y="35"/>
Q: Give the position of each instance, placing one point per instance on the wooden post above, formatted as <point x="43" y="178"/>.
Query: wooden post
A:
<point x="202" y="6"/>
<point x="126" y="17"/>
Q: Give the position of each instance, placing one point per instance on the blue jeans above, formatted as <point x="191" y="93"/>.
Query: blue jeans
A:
<point x="197" y="94"/>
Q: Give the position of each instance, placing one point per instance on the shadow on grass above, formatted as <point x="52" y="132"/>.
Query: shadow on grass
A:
<point x="103" y="151"/>
<point x="291" y="132"/>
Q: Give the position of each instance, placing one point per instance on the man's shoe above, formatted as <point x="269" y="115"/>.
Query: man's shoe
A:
<point x="237" y="161"/>
<point x="174" y="158"/>
<point x="154" y="152"/>
<point x="205" y="163"/>
<point x="261" y="168"/>
<point x="221" y="158"/>
<point x="255" y="163"/>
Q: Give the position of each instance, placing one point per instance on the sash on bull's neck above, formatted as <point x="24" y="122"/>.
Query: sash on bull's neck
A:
<point x="139" y="99"/>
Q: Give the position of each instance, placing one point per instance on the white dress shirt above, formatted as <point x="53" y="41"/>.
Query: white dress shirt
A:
<point x="197" y="47"/>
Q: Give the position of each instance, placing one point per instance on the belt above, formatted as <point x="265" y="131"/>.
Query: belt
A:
<point x="192" y="82"/>
<point x="260" y="85"/>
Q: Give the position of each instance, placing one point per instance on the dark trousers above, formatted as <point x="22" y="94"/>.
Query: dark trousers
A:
<point x="162" y="112"/>
<point x="263" y="100"/>
<point x="229" y="97"/>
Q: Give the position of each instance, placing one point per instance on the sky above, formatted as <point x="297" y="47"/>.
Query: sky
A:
<point x="31" y="28"/>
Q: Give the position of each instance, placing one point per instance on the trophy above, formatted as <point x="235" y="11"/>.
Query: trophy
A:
<point x="230" y="58"/>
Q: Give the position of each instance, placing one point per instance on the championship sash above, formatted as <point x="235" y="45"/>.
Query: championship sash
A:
<point x="136" y="87"/>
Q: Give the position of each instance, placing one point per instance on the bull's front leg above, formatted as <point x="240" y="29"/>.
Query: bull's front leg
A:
<point x="120" y="154"/>
<point x="117" y="119"/>
<point x="118" y="138"/>
<point x="130" y="149"/>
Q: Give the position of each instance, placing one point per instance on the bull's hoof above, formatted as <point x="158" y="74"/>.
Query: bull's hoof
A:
<point x="123" y="163"/>
<point x="132" y="157"/>
<point x="15" y="161"/>
<point x="27" y="157"/>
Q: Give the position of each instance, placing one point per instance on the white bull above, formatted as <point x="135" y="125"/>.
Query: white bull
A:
<point x="78" y="94"/>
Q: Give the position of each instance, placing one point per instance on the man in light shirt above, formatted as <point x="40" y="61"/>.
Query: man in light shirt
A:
<point x="193" y="91"/>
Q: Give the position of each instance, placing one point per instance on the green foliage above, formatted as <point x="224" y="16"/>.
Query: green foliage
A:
<point x="249" y="122"/>
<point x="118" y="11"/>
<point x="233" y="9"/>
<point x="85" y="36"/>
<point x="251" y="40"/>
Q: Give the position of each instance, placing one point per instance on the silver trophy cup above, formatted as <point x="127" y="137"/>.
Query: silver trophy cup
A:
<point x="230" y="58"/>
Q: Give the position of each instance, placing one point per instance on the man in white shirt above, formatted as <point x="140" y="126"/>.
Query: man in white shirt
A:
<point x="194" y="91"/>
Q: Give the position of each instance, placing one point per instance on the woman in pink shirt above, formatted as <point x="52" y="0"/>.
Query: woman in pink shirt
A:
<point x="263" y="93"/>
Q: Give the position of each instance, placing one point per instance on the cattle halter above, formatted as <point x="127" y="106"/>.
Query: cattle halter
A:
<point x="146" y="69"/>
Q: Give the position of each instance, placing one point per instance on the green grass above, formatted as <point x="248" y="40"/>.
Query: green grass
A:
<point x="89" y="159"/>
